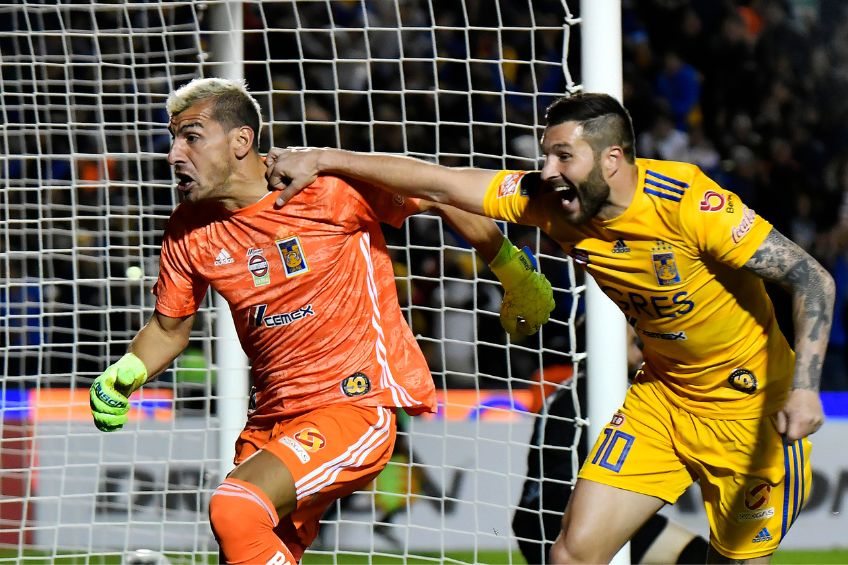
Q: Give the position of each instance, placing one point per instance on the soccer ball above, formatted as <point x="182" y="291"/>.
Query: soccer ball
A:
<point x="144" y="557"/>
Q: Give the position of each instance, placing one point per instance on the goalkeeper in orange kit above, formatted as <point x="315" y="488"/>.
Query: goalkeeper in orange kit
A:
<point x="312" y="295"/>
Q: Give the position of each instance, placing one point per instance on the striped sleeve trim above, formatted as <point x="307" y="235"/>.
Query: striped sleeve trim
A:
<point x="663" y="186"/>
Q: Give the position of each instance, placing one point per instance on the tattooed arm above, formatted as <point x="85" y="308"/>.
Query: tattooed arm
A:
<point x="781" y="261"/>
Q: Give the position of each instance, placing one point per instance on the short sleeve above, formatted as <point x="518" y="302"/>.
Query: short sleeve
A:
<point x="509" y="197"/>
<point x="179" y="290"/>
<point x="360" y="203"/>
<point x="719" y="224"/>
<point x="388" y="208"/>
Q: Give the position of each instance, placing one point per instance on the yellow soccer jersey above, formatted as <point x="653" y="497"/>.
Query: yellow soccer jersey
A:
<point x="672" y="262"/>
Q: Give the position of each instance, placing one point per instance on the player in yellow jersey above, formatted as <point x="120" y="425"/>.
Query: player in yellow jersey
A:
<point x="722" y="398"/>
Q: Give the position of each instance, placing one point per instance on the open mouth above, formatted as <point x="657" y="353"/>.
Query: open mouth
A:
<point x="184" y="182"/>
<point x="567" y="194"/>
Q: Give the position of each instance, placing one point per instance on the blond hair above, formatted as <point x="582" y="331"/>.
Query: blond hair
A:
<point x="234" y="106"/>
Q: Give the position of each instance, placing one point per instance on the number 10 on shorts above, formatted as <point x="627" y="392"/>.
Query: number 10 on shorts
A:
<point x="608" y="448"/>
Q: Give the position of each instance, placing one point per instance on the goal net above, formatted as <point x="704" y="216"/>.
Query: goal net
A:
<point x="86" y="191"/>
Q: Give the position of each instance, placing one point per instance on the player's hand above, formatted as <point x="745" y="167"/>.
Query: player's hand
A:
<point x="109" y="394"/>
<point x="291" y="169"/>
<point x="528" y="297"/>
<point x="801" y="416"/>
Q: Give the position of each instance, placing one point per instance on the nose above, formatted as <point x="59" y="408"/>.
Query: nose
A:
<point x="549" y="168"/>
<point x="175" y="154"/>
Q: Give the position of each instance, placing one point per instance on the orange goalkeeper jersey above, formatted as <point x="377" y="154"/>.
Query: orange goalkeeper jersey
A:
<point x="672" y="263"/>
<point x="312" y="293"/>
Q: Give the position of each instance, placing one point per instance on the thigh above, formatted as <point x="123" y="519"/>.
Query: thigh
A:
<point x="600" y="519"/>
<point x="311" y="460"/>
<point x="753" y="483"/>
<point x="636" y="450"/>
<point x="630" y="473"/>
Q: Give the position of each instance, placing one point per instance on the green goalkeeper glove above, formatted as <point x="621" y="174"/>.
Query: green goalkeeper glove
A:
<point x="109" y="393"/>
<point x="528" y="298"/>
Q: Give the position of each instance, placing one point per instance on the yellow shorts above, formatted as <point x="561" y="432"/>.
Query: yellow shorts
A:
<point x="753" y="484"/>
<point x="331" y="452"/>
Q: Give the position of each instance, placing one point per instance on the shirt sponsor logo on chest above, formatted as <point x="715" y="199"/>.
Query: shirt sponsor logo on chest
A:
<point x="259" y="316"/>
<point x="258" y="266"/>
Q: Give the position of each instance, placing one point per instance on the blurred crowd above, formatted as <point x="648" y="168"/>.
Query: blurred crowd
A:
<point x="753" y="92"/>
<point x="750" y="90"/>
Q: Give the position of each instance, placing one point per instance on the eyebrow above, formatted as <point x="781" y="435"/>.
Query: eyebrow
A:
<point x="556" y="147"/>
<point x="182" y="128"/>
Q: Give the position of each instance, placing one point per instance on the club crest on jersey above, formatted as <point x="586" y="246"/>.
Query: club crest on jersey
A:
<point x="743" y="380"/>
<point x="291" y="253"/>
<point x="356" y="385"/>
<point x="665" y="265"/>
<point x="311" y="439"/>
<point x="258" y="266"/>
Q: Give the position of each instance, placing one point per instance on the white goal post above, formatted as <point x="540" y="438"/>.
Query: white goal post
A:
<point x="84" y="196"/>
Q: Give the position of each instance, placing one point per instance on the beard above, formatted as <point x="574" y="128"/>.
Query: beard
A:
<point x="593" y="192"/>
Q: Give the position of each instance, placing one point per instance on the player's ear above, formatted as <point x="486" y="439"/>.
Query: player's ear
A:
<point x="612" y="159"/>
<point x="242" y="141"/>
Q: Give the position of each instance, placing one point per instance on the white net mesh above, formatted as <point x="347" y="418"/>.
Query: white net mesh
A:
<point x="86" y="192"/>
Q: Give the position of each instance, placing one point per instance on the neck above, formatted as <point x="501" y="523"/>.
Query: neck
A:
<point x="247" y="183"/>
<point x="622" y="183"/>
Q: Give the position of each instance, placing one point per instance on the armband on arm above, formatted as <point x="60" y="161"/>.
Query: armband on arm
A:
<point x="528" y="297"/>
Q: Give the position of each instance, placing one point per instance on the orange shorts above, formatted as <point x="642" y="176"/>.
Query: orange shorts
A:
<point x="330" y="452"/>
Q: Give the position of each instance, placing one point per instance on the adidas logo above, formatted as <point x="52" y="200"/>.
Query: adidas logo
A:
<point x="620" y="247"/>
<point x="764" y="535"/>
<point x="223" y="258"/>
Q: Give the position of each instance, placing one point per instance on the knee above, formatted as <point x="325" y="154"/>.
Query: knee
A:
<point x="239" y="511"/>
<point x="225" y="522"/>
<point x="560" y="553"/>
<point x="567" y="551"/>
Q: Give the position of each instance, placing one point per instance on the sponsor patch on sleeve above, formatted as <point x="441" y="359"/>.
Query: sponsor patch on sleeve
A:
<point x="712" y="201"/>
<point x="739" y="231"/>
<point x="510" y="183"/>
<point x="356" y="385"/>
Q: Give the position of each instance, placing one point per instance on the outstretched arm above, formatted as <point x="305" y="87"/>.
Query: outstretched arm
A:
<point x="154" y="348"/>
<point x="160" y="341"/>
<point x="481" y="233"/>
<point x="528" y="297"/>
<point x="295" y="168"/>
<point x="781" y="261"/>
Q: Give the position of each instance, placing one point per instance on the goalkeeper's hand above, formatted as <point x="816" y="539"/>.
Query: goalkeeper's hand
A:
<point x="528" y="298"/>
<point x="109" y="394"/>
